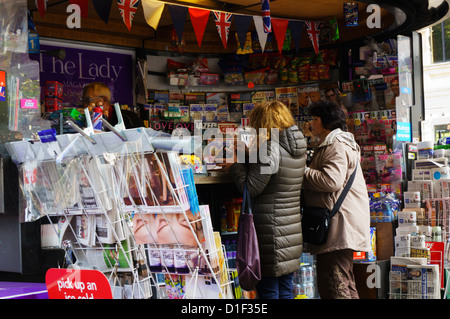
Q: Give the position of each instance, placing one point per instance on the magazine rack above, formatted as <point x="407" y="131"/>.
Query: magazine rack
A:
<point x="120" y="202"/>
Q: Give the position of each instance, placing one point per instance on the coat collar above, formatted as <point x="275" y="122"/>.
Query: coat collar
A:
<point x="341" y="136"/>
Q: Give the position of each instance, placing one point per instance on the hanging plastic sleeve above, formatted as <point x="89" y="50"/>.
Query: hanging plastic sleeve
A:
<point x="97" y="119"/>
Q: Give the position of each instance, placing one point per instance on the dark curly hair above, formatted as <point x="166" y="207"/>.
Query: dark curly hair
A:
<point x="333" y="115"/>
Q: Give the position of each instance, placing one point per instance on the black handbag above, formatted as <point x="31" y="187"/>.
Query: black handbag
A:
<point x="247" y="252"/>
<point x="316" y="220"/>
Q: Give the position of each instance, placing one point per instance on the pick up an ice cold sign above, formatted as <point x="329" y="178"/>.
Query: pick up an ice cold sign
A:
<point x="77" y="284"/>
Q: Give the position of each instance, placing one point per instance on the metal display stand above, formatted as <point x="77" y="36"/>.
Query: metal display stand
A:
<point x="97" y="190"/>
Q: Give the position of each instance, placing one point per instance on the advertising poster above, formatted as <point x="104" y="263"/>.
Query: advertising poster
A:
<point x="83" y="66"/>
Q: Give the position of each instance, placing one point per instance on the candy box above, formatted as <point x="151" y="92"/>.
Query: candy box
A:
<point x="209" y="79"/>
<point x="52" y="104"/>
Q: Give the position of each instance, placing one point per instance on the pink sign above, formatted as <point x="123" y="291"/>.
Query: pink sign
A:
<point x="28" y="104"/>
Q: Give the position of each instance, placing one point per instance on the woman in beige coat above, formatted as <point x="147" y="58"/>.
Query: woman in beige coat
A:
<point x="332" y="164"/>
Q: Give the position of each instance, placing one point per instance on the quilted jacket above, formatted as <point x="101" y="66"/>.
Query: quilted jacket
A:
<point x="276" y="200"/>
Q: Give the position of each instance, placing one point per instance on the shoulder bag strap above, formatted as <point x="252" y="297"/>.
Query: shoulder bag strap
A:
<point x="246" y="201"/>
<point x="344" y="193"/>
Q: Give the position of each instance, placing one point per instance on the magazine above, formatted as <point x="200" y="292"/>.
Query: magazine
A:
<point x="52" y="234"/>
<point x="289" y="96"/>
<point x="167" y="228"/>
<point x="262" y="96"/>
<point x="85" y="229"/>
<point x="392" y="90"/>
<point x="307" y="95"/>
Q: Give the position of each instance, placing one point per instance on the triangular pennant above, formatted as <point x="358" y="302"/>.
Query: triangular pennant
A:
<point x="242" y="23"/>
<point x="279" y="29"/>
<point x="152" y="12"/>
<point x="103" y="8"/>
<point x="199" y="18"/>
<point x="83" y="4"/>
<point x="178" y="14"/>
<point x="262" y="36"/>
<point x="223" y="23"/>
<point x="313" y="29"/>
<point x="296" y="28"/>
<point x="265" y="12"/>
<point x="127" y="9"/>
<point x="41" y="6"/>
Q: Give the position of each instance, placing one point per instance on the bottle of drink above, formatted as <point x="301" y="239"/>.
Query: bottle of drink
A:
<point x="223" y="218"/>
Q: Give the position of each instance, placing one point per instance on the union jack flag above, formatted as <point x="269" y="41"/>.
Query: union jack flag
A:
<point x="42" y="6"/>
<point x="223" y="23"/>
<point x="312" y="27"/>
<point x="127" y="10"/>
<point x="265" y="11"/>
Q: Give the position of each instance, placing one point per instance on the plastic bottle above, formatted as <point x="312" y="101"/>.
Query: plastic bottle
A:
<point x="223" y="218"/>
<point x="237" y="212"/>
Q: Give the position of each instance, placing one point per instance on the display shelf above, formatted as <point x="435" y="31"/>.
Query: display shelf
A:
<point x="105" y="195"/>
<point x="212" y="179"/>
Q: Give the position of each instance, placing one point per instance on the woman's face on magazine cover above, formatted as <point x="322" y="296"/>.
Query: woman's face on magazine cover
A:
<point x="172" y="228"/>
<point x="149" y="228"/>
<point x="142" y="228"/>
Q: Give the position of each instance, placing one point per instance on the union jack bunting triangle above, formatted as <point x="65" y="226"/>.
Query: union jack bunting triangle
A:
<point x="265" y="12"/>
<point x="41" y="6"/>
<point x="313" y="29"/>
<point x="127" y="10"/>
<point x="223" y="23"/>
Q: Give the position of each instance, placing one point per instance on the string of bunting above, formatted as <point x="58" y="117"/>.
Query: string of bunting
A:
<point x="153" y="9"/>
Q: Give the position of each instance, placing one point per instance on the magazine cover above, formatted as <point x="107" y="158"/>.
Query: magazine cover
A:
<point x="347" y="95"/>
<point x="330" y="92"/>
<point x="392" y="90"/>
<point x="378" y="88"/>
<point x="194" y="98"/>
<point x="307" y="95"/>
<point x="236" y="107"/>
<point x="262" y="96"/>
<point x="170" y="228"/>
<point x="176" y="96"/>
<point x="218" y="98"/>
<point x="114" y="255"/>
<point x="288" y="96"/>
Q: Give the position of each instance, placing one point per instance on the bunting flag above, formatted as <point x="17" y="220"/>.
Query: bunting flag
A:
<point x="265" y="11"/>
<point x="223" y="23"/>
<point x="152" y="12"/>
<point x="41" y="6"/>
<point x="262" y="36"/>
<point x="127" y="9"/>
<point x="83" y="4"/>
<point x="242" y="23"/>
<point x="103" y="8"/>
<point x="199" y="18"/>
<point x="296" y="28"/>
<point x="279" y="29"/>
<point x="313" y="29"/>
<point x="178" y="14"/>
